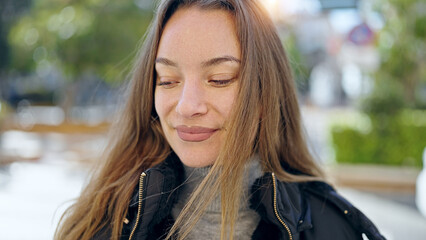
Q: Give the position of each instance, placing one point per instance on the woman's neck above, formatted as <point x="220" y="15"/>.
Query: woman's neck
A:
<point x="194" y="176"/>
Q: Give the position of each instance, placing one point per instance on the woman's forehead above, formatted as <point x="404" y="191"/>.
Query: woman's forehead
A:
<point x="196" y="36"/>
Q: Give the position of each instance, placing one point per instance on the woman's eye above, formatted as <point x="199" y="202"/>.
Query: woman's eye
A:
<point x="221" y="83"/>
<point x="167" y="83"/>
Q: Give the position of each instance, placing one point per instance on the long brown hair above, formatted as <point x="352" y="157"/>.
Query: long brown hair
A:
<point x="266" y="120"/>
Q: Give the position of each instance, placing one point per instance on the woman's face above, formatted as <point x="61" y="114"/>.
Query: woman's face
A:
<point x="197" y="67"/>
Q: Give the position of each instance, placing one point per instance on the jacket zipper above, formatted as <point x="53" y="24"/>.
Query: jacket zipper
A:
<point x="276" y="211"/>
<point x="141" y="178"/>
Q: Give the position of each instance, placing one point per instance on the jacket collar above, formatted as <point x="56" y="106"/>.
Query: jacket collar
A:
<point x="165" y="178"/>
<point x="281" y="204"/>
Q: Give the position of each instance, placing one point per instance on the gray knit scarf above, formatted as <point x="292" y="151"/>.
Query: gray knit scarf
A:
<point x="208" y="227"/>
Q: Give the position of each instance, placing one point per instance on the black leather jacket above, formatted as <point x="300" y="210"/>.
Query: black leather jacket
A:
<point x="295" y="211"/>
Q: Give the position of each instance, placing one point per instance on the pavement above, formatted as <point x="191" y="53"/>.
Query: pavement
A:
<point x="395" y="220"/>
<point x="33" y="196"/>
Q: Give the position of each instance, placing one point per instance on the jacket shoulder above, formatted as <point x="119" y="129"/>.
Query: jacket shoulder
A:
<point x="333" y="216"/>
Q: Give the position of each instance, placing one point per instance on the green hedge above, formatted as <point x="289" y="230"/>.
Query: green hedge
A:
<point x="391" y="140"/>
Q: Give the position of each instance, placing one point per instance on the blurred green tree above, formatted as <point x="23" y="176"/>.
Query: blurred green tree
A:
<point x="400" y="81"/>
<point x="10" y="11"/>
<point x="297" y="61"/>
<point x="397" y="105"/>
<point x="76" y="36"/>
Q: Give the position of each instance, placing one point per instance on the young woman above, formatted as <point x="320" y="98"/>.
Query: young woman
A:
<point x="209" y="144"/>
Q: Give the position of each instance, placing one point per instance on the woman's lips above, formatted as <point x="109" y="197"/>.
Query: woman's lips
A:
<point x="194" y="134"/>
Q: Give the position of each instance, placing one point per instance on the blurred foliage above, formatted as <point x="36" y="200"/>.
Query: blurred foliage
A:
<point x="396" y="106"/>
<point x="388" y="99"/>
<point x="300" y="71"/>
<point x="392" y="141"/>
<point x="400" y="81"/>
<point x="77" y="36"/>
<point x="10" y="10"/>
<point x="4" y="110"/>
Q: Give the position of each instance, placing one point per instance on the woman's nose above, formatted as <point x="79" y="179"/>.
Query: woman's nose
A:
<point x="192" y="102"/>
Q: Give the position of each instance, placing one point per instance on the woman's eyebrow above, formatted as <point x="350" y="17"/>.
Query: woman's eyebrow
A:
<point x="166" y="62"/>
<point x="207" y="63"/>
<point x="219" y="60"/>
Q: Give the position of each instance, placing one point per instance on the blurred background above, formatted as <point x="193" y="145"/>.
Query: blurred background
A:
<point x="360" y="67"/>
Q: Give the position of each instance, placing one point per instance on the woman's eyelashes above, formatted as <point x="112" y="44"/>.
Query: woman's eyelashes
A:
<point x="222" y="79"/>
<point x="222" y="82"/>
<point x="166" y="82"/>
